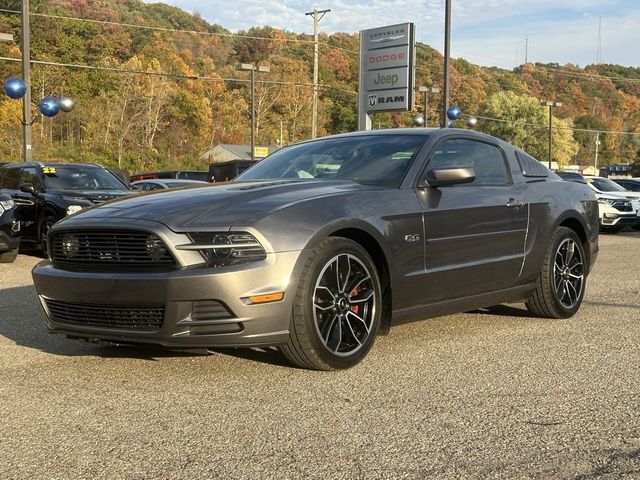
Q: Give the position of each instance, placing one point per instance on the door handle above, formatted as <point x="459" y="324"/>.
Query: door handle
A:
<point x="513" y="203"/>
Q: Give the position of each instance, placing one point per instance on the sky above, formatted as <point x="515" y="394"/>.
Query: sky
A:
<point x="484" y="32"/>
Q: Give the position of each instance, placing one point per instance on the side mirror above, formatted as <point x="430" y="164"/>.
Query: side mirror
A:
<point x="441" y="177"/>
<point x="27" y="188"/>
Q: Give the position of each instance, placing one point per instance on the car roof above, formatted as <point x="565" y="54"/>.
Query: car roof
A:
<point x="51" y="164"/>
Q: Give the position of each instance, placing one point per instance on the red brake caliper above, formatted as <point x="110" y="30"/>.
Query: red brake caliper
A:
<point x="356" y="308"/>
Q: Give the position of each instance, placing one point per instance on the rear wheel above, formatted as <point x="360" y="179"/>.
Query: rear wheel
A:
<point x="560" y="285"/>
<point x="337" y="309"/>
<point x="8" y="257"/>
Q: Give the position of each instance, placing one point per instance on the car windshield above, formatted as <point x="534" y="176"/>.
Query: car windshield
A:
<point x="77" y="177"/>
<point x="369" y="159"/>
<point x="606" y="185"/>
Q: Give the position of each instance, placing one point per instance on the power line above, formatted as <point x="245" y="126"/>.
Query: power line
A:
<point x="555" y="127"/>
<point x="176" y="30"/>
<point x="175" y="75"/>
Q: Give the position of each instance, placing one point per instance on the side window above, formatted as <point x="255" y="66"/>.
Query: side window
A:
<point x="155" y="186"/>
<point x="487" y="160"/>
<point x="9" y="178"/>
<point x="30" y="175"/>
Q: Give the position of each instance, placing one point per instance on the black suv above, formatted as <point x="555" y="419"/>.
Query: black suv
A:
<point x="46" y="192"/>
<point x="9" y="229"/>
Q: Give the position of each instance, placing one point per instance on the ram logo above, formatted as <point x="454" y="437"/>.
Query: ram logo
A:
<point x="373" y="100"/>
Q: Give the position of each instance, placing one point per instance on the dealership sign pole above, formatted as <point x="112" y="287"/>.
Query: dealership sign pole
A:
<point x="387" y="71"/>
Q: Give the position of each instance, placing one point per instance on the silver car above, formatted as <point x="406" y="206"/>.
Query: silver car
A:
<point x="324" y="245"/>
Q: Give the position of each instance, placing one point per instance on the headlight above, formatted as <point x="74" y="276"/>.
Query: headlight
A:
<point x="71" y="209"/>
<point x="226" y="248"/>
<point x="606" y="201"/>
<point x="6" y="205"/>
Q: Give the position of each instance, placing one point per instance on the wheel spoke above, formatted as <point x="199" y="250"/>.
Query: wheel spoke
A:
<point x="335" y="335"/>
<point x="353" y="334"/>
<point x="327" y="327"/>
<point x="353" y="316"/>
<point x="340" y="272"/>
<point x="569" y="252"/>
<point x="323" y="299"/>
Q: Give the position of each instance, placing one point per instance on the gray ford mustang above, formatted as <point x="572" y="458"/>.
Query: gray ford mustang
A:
<point x="323" y="245"/>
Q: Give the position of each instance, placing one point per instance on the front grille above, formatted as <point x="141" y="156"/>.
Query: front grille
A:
<point x="622" y="206"/>
<point x="145" y="318"/>
<point x="122" y="249"/>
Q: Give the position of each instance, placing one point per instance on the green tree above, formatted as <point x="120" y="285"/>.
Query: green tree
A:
<point x="520" y="120"/>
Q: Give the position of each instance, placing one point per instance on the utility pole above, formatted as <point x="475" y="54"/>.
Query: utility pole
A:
<point x="599" y="53"/>
<point x="26" y="77"/>
<point x="253" y="68"/>
<point x="447" y="54"/>
<point x="595" y="163"/>
<point x="317" y="16"/>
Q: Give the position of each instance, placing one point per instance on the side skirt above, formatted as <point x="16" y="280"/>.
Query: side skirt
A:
<point x="447" y="307"/>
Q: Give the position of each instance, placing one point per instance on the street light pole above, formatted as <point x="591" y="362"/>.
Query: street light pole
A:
<point x="253" y="68"/>
<point x="317" y="16"/>
<point x="426" y="91"/>
<point x="549" y="104"/>
<point x="447" y="55"/>
<point x="26" y="77"/>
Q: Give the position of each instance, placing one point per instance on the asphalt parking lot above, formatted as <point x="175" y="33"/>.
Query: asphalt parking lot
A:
<point x="487" y="394"/>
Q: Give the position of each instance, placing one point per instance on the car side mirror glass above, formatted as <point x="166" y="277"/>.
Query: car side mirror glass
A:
<point x="27" y="188"/>
<point x="440" y="177"/>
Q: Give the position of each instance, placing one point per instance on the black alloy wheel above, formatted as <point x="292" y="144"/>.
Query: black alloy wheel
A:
<point x="561" y="283"/>
<point x="337" y="309"/>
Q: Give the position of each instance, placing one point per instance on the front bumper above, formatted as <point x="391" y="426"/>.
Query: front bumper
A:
<point x="612" y="219"/>
<point x="9" y="236"/>
<point x="184" y="295"/>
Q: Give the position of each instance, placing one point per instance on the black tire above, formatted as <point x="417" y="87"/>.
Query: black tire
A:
<point x="333" y="326"/>
<point x="9" y="257"/>
<point x="46" y="222"/>
<point x="636" y="227"/>
<point x="561" y="283"/>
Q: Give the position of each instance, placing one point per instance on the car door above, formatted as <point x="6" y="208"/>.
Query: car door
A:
<point x="29" y="203"/>
<point x="474" y="232"/>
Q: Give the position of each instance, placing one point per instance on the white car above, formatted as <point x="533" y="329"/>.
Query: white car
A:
<point x="619" y="207"/>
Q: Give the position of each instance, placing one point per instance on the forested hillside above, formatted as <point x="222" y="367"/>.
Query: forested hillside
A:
<point x="156" y="87"/>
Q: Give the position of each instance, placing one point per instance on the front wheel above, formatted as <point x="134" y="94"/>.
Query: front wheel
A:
<point x="9" y="257"/>
<point x="560" y="285"/>
<point x="337" y="309"/>
<point x="45" y="224"/>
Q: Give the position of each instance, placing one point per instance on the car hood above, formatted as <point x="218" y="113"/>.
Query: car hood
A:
<point x="94" y="196"/>
<point x="228" y="204"/>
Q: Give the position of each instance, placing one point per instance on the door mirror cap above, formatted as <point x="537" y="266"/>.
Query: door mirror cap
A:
<point x="441" y="177"/>
<point x="27" y="188"/>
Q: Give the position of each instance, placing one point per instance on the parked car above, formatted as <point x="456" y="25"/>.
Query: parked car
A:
<point x="323" y="245"/>
<point x="226" y="171"/>
<point x="631" y="184"/>
<point x="46" y="192"/>
<point x="572" y="177"/>
<point x="148" y="185"/>
<point x="184" y="174"/>
<point x="619" y="207"/>
<point x="9" y="229"/>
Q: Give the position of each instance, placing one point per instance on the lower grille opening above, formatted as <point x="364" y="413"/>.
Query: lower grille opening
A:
<point x="140" y="318"/>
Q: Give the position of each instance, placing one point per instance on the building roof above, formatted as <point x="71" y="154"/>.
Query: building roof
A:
<point x="240" y="152"/>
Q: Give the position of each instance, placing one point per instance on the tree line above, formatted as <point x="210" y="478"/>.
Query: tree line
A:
<point x="162" y="88"/>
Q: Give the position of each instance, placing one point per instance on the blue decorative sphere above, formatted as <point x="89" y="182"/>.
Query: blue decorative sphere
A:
<point x="49" y="106"/>
<point x="15" y="88"/>
<point x="454" y="113"/>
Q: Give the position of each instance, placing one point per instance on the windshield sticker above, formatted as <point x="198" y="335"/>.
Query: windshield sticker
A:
<point x="49" y="170"/>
